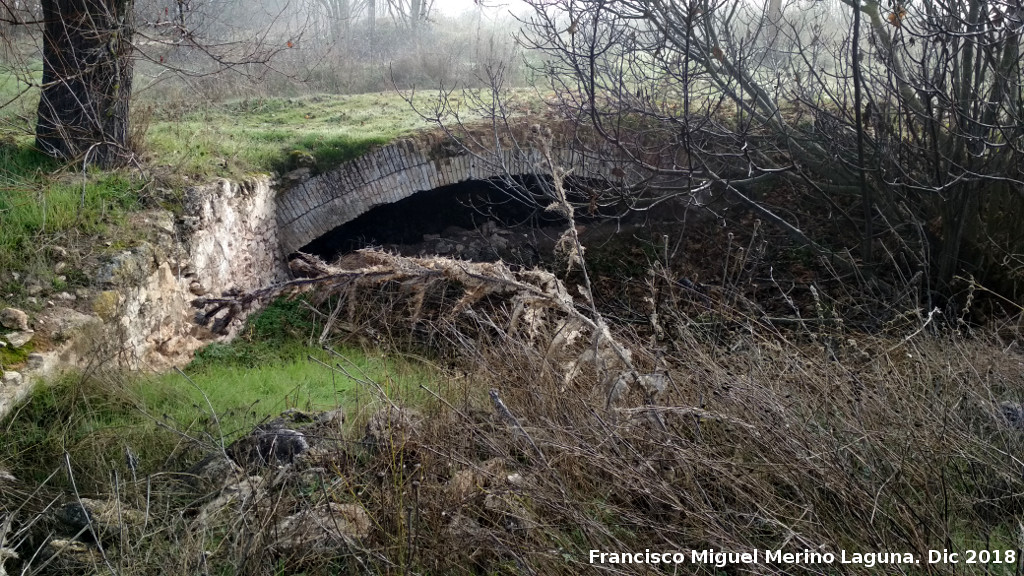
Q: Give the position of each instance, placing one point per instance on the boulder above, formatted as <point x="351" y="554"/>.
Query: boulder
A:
<point x="234" y="500"/>
<point x="68" y="556"/>
<point x="213" y="473"/>
<point x="108" y="517"/>
<point x="392" y="427"/>
<point x="36" y="361"/>
<point x="14" y="319"/>
<point x="1013" y="414"/>
<point x="332" y="419"/>
<point x="322" y="529"/>
<point x="61" y="322"/>
<point x="11" y="378"/>
<point x="19" y="339"/>
<point x="268" y="445"/>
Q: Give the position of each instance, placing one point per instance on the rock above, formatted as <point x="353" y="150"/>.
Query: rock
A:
<point x="213" y="473"/>
<point x="332" y="419"/>
<point x="509" y="507"/>
<point x="35" y="361"/>
<point x="19" y="339"/>
<point x="33" y="288"/>
<point x="57" y="252"/>
<point x="59" y="267"/>
<point x="197" y="288"/>
<point x="128" y="268"/>
<point x="322" y="529"/>
<point x="108" y="517"/>
<point x="14" y="319"/>
<point x="392" y="427"/>
<point x="106" y="304"/>
<point x="68" y="556"/>
<point x="61" y="322"/>
<point x="297" y="176"/>
<point x="498" y="243"/>
<point x="1013" y="414"/>
<point x="11" y="378"/>
<point x="235" y="498"/>
<point x="66" y="296"/>
<point x="268" y="445"/>
<point x="302" y="159"/>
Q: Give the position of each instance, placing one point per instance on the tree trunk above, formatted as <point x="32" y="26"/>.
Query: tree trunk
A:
<point x="87" y="80"/>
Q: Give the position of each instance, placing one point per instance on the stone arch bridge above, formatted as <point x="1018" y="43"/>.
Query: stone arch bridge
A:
<point x="418" y="163"/>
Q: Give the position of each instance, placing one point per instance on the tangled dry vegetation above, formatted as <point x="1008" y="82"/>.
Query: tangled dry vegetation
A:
<point x="562" y="432"/>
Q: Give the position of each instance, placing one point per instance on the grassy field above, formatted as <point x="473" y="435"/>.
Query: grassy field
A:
<point x="265" y="134"/>
<point x="46" y="211"/>
<point x="170" y="419"/>
<point x="234" y="137"/>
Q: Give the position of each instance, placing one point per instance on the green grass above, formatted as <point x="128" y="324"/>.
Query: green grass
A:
<point x="234" y="138"/>
<point x="261" y="135"/>
<point x="42" y="208"/>
<point x="18" y="99"/>
<point x="170" y="420"/>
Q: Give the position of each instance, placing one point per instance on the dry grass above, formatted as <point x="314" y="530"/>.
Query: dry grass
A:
<point x="805" y="439"/>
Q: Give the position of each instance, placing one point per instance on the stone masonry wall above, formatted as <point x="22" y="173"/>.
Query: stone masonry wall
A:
<point x="399" y="170"/>
<point x="226" y="240"/>
<point x="229" y="242"/>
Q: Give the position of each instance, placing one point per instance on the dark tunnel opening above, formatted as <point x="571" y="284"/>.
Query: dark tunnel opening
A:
<point x="476" y="220"/>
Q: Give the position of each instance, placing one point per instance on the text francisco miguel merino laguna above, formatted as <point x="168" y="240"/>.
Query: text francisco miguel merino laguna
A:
<point x="722" y="559"/>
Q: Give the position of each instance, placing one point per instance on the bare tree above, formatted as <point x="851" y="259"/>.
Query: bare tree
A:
<point x="410" y="13"/>
<point x="900" y="126"/>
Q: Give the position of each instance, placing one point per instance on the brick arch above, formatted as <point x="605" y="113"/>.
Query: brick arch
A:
<point x="397" y="171"/>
